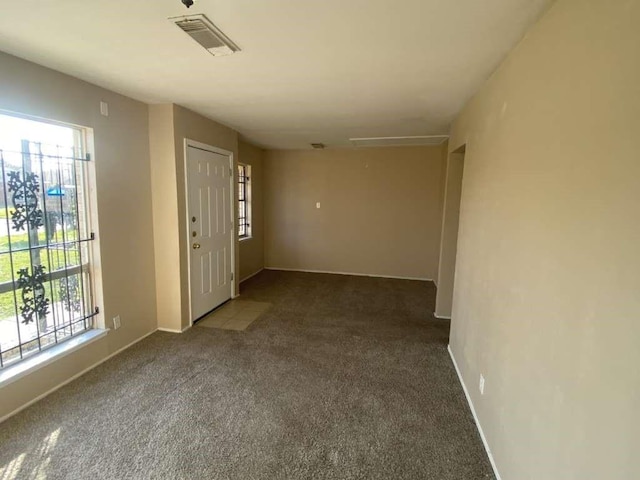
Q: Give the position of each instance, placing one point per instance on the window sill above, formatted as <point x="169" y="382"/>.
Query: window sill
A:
<point x="11" y="374"/>
<point x="242" y="239"/>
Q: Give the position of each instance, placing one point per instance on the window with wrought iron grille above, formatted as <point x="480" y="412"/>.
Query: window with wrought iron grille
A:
<point x="244" y="200"/>
<point x="45" y="261"/>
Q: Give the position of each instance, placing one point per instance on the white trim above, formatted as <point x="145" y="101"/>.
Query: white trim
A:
<point x="10" y="374"/>
<point x="349" y="273"/>
<point x="475" y="416"/>
<point x="71" y="379"/>
<point x="441" y="317"/>
<point x="251" y="275"/>
<point x="233" y="206"/>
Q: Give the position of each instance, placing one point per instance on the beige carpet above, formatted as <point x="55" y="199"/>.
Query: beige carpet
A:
<point x="341" y="378"/>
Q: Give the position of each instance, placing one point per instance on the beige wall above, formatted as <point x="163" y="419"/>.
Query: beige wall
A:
<point x="252" y="249"/>
<point x="125" y="229"/>
<point x="169" y="203"/>
<point x="546" y="301"/>
<point x="380" y="210"/>
<point x="165" y="216"/>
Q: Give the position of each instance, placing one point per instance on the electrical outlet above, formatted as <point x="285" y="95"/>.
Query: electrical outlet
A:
<point x="116" y="322"/>
<point x="317" y="204"/>
<point x="481" y="384"/>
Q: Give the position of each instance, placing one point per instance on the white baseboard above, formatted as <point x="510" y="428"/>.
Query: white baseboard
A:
<point x="440" y="317"/>
<point x="475" y="416"/>
<point x="174" y="330"/>
<point x="71" y="379"/>
<point x="349" y="273"/>
<point x="251" y="276"/>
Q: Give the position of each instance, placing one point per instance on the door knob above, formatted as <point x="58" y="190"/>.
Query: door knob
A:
<point x="196" y="246"/>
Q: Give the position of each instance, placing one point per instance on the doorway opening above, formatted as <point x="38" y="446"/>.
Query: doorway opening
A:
<point x="449" y="235"/>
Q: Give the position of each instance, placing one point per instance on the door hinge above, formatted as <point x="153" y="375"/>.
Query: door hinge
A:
<point x="231" y="172"/>
<point x="231" y="275"/>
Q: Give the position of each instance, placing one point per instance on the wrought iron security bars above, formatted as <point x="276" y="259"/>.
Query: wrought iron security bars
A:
<point x="243" y="201"/>
<point x="45" y="279"/>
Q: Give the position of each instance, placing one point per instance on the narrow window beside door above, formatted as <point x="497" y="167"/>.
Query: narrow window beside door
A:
<point x="244" y="200"/>
<point x="45" y="281"/>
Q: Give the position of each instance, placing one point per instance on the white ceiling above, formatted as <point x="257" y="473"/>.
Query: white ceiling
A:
<point x="309" y="70"/>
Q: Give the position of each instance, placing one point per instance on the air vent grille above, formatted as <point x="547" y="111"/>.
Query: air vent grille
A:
<point x="398" y="141"/>
<point x="204" y="38"/>
<point x="203" y="31"/>
<point x="192" y="25"/>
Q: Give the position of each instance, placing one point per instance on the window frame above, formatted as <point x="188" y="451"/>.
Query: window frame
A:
<point x="244" y="201"/>
<point x="83" y="185"/>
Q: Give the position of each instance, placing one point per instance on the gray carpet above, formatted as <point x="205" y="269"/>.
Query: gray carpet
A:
<point x="343" y="378"/>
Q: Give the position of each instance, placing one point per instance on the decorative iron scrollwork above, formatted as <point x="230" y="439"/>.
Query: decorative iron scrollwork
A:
<point x="35" y="304"/>
<point x="70" y="293"/>
<point x="25" y="201"/>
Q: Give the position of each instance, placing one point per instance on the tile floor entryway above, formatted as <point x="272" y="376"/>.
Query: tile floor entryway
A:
<point x="234" y="315"/>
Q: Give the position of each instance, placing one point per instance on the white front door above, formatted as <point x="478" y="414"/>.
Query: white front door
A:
<point x="210" y="232"/>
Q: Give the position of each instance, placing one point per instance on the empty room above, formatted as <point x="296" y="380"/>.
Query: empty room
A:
<point x="364" y="239"/>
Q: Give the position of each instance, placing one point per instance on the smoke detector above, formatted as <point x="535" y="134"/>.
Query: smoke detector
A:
<point x="203" y="31"/>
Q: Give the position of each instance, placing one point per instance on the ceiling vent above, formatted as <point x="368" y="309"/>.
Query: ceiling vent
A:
<point x="200" y="28"/>
<point x="318" y="146"/>
<point x="398" y="141"/>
